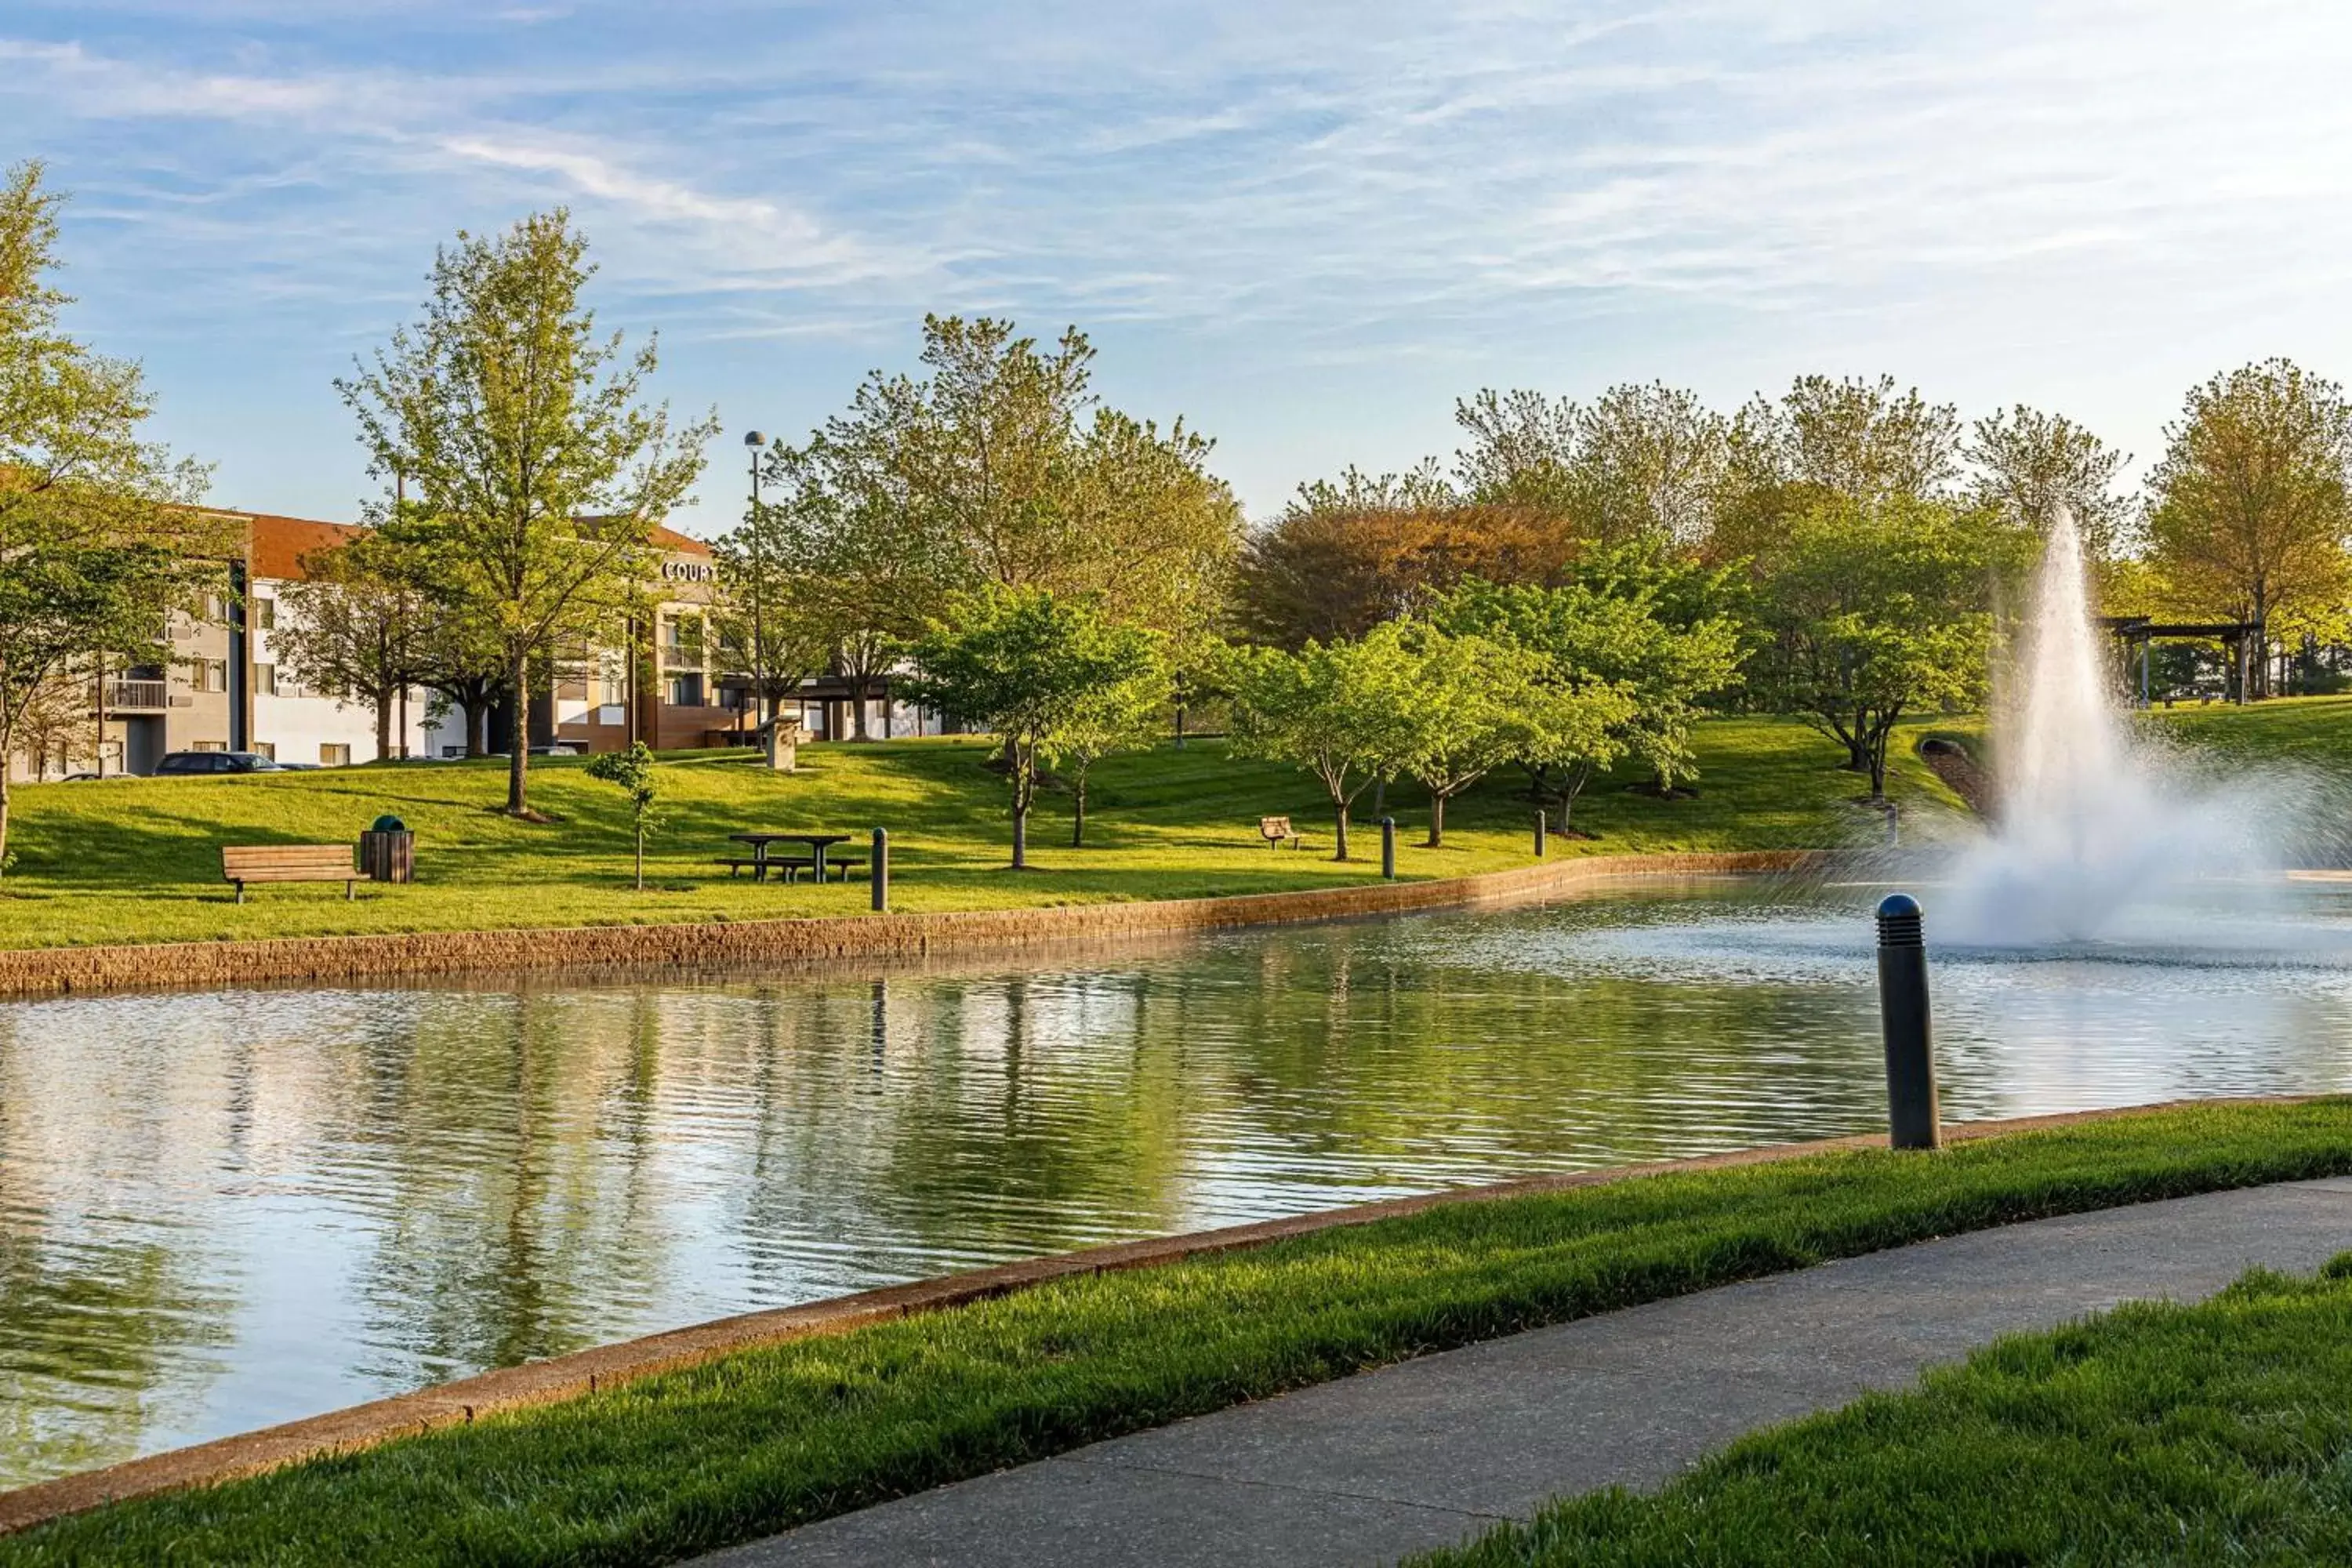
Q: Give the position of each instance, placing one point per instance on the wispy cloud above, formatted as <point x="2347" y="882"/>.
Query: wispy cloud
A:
<point x="1255" y="202"/>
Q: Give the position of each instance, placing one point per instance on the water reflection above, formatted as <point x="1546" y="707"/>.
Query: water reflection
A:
<point x="225" y="1209"/>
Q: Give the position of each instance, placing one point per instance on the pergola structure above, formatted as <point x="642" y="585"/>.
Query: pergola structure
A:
<point x="2136" y="632"/>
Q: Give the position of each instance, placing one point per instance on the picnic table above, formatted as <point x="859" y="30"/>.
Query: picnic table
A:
<point x="818" y="844"/>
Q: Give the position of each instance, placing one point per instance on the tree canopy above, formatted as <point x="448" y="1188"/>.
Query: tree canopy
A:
<point x="538" y="468"/>
<point x="1038" y="670"/>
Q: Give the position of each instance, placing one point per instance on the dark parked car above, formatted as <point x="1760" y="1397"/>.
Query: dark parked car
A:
<point x="215" y="763"/>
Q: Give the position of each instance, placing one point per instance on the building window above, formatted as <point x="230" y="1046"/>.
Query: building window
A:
<point x="452" y="750"/>
<point x="334" y="756"/>
<point x="208" y="745"/>
<point x="264" y="614"/>
<point x="685" y="691"/>
<point x="265" y="680"/>
<point x="212" y="675"/>
<point x="267" y="748"/>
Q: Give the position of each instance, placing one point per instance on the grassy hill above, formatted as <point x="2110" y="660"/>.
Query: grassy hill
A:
<point x="138" y="860"/>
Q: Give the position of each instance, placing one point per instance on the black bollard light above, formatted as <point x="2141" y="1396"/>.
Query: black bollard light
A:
<point x="1541" y="824"/>
<point x="881" y="870"/>
<point x="1911" y="1122"/>
<point x="1388" y="848"/>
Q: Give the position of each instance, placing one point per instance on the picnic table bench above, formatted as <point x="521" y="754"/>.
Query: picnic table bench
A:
<point x="1276" y="831"/>
<point x="243" y="863"/>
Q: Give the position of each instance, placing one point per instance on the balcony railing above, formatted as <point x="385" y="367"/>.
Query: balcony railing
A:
<point x="681" y="655"/>
<point x="123" y="695"/>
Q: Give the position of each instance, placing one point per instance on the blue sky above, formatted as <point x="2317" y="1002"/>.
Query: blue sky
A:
<point x="1306" y="228"/>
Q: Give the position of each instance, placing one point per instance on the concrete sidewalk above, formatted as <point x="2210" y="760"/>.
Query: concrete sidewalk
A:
<point x="1430" y="1452"/>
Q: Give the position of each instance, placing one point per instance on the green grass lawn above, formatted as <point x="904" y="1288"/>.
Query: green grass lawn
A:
<point x="2155" y="1433"/>
<point x="767" y="1438"/>
<point x="138" y="860"/>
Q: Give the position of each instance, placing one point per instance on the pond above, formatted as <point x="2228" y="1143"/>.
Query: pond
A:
<point x="225" y="1209"/>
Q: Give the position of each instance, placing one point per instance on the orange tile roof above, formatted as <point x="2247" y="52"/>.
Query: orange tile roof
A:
<point x="279" y="543"/>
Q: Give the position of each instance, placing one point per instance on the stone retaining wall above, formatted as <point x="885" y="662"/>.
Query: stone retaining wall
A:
<point x="51" y="971"/>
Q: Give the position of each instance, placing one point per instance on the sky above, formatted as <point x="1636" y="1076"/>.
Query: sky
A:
<point x="1305" y="228"/>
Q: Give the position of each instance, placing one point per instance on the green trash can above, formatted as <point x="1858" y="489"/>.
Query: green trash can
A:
<point x="388" y="851"/>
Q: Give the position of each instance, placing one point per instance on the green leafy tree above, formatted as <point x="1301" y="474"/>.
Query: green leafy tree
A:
<point x="356" y="626"/>
<point x="2248" y="510"/>
<point x="100" y="539"/>
<point x="538" y="470"/>
<point x="767" y="616"/>
<point x="1033" y="669"/>
<point x="1478" y="703"/>
<point x="1120" y="717"/>
<point x="1864" y="442"/>
<point x="633" y="771"/>
<point x="1641" y="463"/>
<point x="1879" y="611"/>
<point x="1000" y="466"/>
<point x="872" y="571"/>
<point x="2029" y="465"/>
<point x="1634" y="623"/>
<point x="1342" y="711"/>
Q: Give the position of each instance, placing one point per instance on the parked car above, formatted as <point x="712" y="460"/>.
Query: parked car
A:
<point x="183" y="762"/>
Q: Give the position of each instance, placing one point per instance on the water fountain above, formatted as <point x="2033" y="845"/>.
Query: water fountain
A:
<point x="2100" y="837"/>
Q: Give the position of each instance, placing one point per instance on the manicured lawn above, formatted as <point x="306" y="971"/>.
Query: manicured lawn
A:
<point x="138" y="860"/>
<point x="2155" y="1433"/>
<point x="772" y="1437"/>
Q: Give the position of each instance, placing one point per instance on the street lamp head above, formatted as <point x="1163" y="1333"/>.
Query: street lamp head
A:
<point x="753" y="438"/>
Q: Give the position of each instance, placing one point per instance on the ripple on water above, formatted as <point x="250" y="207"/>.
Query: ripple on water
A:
<point x="227" y="1209"/>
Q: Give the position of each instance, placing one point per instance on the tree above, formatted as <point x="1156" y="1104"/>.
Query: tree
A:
<point x="1852" y="440"/>
<point x="1633" y="622"/>
<point x="1878" y="611"/>
<point x="54" y="719"/>
<point x="1030" y="667"/>
<point x="1001" y="467"/>
<point x="2030" y="465"/>
<point x="1477" y="703"/>
<point x="766" y="613"/>
<point x="2247" y="511"/>
<point x="1342" y="558"/>
<point x="1644" y="462"/>
<point x="539" y="473"/>
<point x="872" y="571"/>
<point x="100" y="540"/>
<point x="1342" y="711"/>
<point x="1120" y="717"/>
<point x="633" y="771"/>
<point x="356" y="626"/>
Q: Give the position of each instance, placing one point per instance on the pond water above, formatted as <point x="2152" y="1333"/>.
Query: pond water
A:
<point x="225" y="1209"/>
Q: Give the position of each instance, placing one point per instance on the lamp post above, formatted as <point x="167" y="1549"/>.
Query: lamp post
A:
<point x="753" y="442"/>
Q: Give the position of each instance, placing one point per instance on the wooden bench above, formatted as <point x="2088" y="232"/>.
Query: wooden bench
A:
<point x="1276" y="831"/>
<point x="243" y="863"/>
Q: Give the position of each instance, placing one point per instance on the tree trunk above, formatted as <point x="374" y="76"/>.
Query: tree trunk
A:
<point x="1878" y="766"/>
<point x="1436" y="820"/>
<point x="4" y="810"/>
<point x="641" y="859"/>
<point x="478" y="727"/>
<point x="383" y="724"/>
<point x="1339" y="836"/>
<point x="1020" y="836"/>
<point x="1570" y="786"/>
<point x="1179" y="726"/>
<point x="1379" y="801"/>
<point x="857" y="710"/>
<point x="519" y="745"/>
<point x="1078" y="821"/>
